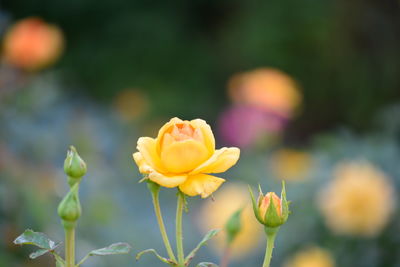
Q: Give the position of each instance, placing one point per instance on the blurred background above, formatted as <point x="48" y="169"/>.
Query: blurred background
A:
<point x="310" y="91"/>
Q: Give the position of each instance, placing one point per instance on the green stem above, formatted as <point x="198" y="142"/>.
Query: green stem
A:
<point x="161" y="225"/>
<point x="179" y="238"/>
<point x="271" y="234"/>
<point x="70" y="247"/>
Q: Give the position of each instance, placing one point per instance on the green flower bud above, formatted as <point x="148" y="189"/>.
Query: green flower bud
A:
<point x="74" y="166"/>
<point x="234" y="225"/>
<point x="70" y="209"/>
<point x="271" y="210"/>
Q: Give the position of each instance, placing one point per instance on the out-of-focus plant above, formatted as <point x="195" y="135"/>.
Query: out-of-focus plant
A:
<point x="359" y="200"/>
<point x="182" y="155"/>
<point x="311" y="257"/>
<point x="223" y="213"/>
<point x="32" y="44"/>
<point x="271" y="211"/>
<point x="69" y="211"/>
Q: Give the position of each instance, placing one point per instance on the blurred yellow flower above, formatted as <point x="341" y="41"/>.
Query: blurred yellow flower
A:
<point x="290" y="164"/>
<point x="358" y="201"/>
<point x="32" y="44"/>
<point x="311" y="257"/>
<point x="267" y="88"/>
<point x="215" y="214"/>
<point x="183" y="154"/>
<point x="130" y="104"/>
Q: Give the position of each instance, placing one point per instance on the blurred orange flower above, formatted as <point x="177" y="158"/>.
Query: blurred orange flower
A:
<point x="32" y="44"/>
<point x="215" y="214"/>
<point x="184" y="154"/>
<point x="359" y="200"/>
<point x="130" y="104"/>
<point x="311" y="257"/>
<point x="266" y="88"/>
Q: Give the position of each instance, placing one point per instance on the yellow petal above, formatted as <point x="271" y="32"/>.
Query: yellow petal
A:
<point x="184" y="156"/>
<point x="201" y="184"/>
<point x="208" y="135"/>
<point x="164" y="128"/>
<point x="147" y="148"/>
<point x="166" y="180"/>
<point x="221" y="161"/>
<point x="141" y="163"/>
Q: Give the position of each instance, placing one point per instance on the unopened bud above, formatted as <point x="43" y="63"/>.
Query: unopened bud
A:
<point x="74" y="166"/>
<point x="70" y="209"/>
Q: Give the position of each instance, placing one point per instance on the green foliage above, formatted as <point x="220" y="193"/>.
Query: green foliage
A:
<point x="113" y="249"/>
<point x="234" y="225"/>
<point x="46" y="245"/>
<point x="150" y="250"/>
<point x="203" y="242"/>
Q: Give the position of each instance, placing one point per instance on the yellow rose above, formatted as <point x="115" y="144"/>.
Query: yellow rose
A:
<point x="184" y="154"/>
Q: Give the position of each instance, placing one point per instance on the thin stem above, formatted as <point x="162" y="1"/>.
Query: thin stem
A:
<point x="179" y="238"/>
<point x="225" y="257"/>
<point x="271" y="234"/>
<point x="161" y="225"/>
<point x="70" y="247"/>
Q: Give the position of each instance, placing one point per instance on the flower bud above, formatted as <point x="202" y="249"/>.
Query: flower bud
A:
<point x="74" y="166"/>
<point x="271" y="210"/>
<point x="70" y="209"/>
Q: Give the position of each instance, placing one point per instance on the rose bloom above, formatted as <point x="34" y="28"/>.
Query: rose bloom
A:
<point x="358" y="201"/>
<point x="215" y="214"/>
<point x="32" y="44"/>
<point x="311" y="257"/>
<point x="184" y="154"/>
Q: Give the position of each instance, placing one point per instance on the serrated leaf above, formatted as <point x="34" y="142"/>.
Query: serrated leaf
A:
<point x="40" y="240"/>
<point x="203" y="242"/>
<point x="206" y="264"/>
<point x="151" y="250"/>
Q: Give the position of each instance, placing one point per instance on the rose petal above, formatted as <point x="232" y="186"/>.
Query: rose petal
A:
<point x="166" y="180"/>
<point x="184" y="156"/>
<point x="141" y="163"/>
<point x="147" y="148"/>
<point x="208" y="135"/>
<point x="163" y="129"/>
<point x="201" y="184"/>
<point x="221" y="161"/>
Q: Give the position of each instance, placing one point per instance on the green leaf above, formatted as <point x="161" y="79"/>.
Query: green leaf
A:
<point x="40" y="240"/>
<point x="206" y="264"/>
<point x="203" y="242"/>
<point x="38" y="253"/>
<point x="155" y="253"/>
<point x="113" y="249"/>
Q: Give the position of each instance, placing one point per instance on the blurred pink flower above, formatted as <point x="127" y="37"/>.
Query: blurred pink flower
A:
<point x="242" y="126"/>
